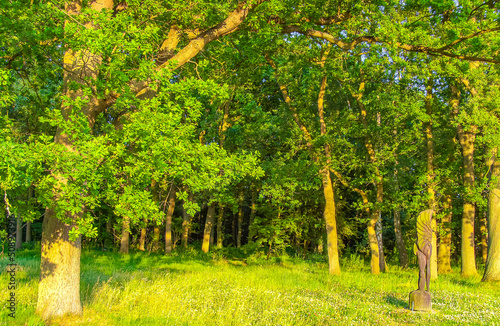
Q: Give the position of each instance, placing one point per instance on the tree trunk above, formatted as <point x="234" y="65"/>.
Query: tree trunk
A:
<point x="431" y="182"/>
<point x="59" y="286"/>
<point x="374" y="249"/>
<point x="483" y="229"/>
<point x="125" y="240"/>
<point x="331" y="223"/>
<point x="186" y="220"/>
<point x="219" y="226"/>
<point x="240" y="220"/>
<point x="19" y="232"/>
<point x="208" y="227"/>
<point x="403" y="255"/>
<point x="28" y="232"/>
<point x="142" y="239"/>
<point x="492" y="268"/>
<point x="251" y="231"/>
<point x="156" y="239"/>
<point x="168" y="221"/>
<point x="468" y="249"/>
<point x="444" y="249"/>
<point x="466" y="139"/>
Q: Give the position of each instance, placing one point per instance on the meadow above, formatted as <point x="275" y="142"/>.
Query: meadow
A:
<point x="192" y="288"/>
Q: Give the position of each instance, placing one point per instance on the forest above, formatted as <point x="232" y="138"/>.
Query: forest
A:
<point x="247" y="138"/>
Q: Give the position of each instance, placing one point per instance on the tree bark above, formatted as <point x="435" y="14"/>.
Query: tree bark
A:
<point x="403" y="255"/>
<point x="28" y="232"/>
<point x="186" y="221"/>
<point x="492" y="268"/>
<point x="156" y="239"/>
<point x="125" y="239"/>
<point x="444" y="249"/>
<point x="431" y="183"/>
<point x="168" y="221"/>
<point x="142" y="239"/>
<point x="240" y="219"/>
<point x="219" y="226"/>
<point x="19" y="232"/>
<point x="208" y="227"/>
<point x="253" y="208"/>
<point x="59" y="286"/>
<point x="483" y="229"/>
<point x="331" y="223"/>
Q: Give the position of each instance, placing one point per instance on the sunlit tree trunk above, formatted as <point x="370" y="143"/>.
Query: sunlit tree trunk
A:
<point x="431" y="182"/>
<point x="219" y="226"/>
<point x="59" y="286"/>
<point x="492" y="268"/>
<point x="156" y="239"/>
<point x="168" y="221"/>
<point x="444" y="249"/>
<point x="125" y="239"/>
<point x="142" y="238"/>
<point x="331" y="223"/>
<point x="483" y="229"/>
<point x="208" y="227"/>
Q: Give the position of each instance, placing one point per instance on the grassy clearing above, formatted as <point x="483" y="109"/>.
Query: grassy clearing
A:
<point x="196" y="289"/>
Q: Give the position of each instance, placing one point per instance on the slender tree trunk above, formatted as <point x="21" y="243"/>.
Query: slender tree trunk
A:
<point x="156" y="239"/>
<point x="186" y="221"/>
<point x="142" y="239"/>
<point x="444" y="249"/>
<point x="492" y="268"/>
<point x="208" y="227"/>
<point x="168" y="221"/>
<point x="125" y="240"/>
<point x="28" y="232"/>
<point x="251" y="231"/>
<point x="374" y="248"/>
<point x="219" y="226"/>
<point x="240" y="220"/>
<point x="431" y="182"/>
<point x="19" y="232"/>
<point x="483" y="229"/>
<point x="403" y="255"/>
<point x="331" y="223"/>
<point x="28" y="224"/>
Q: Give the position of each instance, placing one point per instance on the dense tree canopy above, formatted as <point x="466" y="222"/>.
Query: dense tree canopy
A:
<point x="301" y="126"/>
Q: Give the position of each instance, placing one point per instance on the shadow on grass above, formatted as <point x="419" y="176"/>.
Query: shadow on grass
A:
<point x="392" y="300"/>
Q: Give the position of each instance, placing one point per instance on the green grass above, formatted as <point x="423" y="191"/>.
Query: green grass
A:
<point x="198" y="289"/>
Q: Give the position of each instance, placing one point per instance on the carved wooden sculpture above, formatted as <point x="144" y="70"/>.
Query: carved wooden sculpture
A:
<point x="421" y="298"/>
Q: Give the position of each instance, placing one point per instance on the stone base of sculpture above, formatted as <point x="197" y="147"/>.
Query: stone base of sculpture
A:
<point x="420" y="300"/>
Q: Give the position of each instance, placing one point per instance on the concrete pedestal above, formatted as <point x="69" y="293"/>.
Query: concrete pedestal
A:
<point x="420" y="300"/>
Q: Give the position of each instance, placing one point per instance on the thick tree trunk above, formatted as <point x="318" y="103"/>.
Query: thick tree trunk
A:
<point x="168" y="221"/>
<point x="240" y="219"/>
<point x="19" y="232"/>
<point x="492" y="268"/>
<point x="468" y="248"/>
<point x="125" y="240"/>
<point x="372" y="239"/>
<point x="219" y="226"/>
<point x="331" y="223"/>
<point x="59" y="286"/>
<point x="444" y="249"/>
<point x="403" y="255"/>
<point x="208" y="227"/>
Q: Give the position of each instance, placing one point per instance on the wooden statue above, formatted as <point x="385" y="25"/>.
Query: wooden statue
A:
<point x="421" y="299"/>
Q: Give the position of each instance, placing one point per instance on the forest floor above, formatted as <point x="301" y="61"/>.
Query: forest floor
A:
<point x="210" y="289"/>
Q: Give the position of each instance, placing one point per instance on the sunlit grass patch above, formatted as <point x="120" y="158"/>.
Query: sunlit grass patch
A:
<point x="196" y="289"/>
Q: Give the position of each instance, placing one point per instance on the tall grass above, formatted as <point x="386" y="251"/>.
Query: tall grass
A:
<point x="209" y="289"/>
